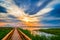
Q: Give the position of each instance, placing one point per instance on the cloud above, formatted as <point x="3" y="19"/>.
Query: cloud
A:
<point x="52" y="18"/>
<point x="50" y="14"/>
<point x="42" y="6"/>
<point x="11" y="16"/>
<point x="3" y="15"/>
<point x="51" y="22"/>
<point x="8" y="18"/>
<point x="55" y="12"/>
<point x="31" y="6"/>
<point x="2" y="9"/>
<point x="54" y="2"/>
<point x="43" y="11"/>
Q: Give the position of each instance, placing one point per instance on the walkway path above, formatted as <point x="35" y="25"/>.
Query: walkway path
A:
<point x="16" y="35"/>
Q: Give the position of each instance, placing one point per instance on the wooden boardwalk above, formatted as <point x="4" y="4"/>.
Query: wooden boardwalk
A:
<point x="16" y="35"/>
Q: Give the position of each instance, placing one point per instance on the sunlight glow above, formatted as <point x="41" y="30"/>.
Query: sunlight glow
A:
<point x="26" y="19"/>
<point x="29" y="19"/>
<point x="19" y="13"/>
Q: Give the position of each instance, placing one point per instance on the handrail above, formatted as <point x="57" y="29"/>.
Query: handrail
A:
<point x="23" y="35"/>
<point x="8" y="36"/>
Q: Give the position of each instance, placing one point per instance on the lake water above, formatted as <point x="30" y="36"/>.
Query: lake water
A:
<point x="42" y="33"/>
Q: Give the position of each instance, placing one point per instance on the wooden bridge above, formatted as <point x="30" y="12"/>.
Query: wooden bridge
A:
<point x="16" y="34"/>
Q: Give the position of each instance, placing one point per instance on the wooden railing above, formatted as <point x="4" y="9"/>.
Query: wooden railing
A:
<point x="23" y="36"/>
<point x="9" y="35"/>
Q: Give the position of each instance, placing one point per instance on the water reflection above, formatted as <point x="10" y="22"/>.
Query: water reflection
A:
<point x="42" y="33"/>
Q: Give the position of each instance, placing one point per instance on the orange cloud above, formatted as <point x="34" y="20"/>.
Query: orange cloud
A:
<point x="32" y="24"/>
<point x="2" y="23"/>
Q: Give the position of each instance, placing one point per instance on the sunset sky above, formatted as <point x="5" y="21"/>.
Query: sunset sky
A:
<point x="41" y="12"/>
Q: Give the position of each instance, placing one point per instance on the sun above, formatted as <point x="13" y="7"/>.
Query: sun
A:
<point x="26" y="19"/>
<point x="29" y="21"/>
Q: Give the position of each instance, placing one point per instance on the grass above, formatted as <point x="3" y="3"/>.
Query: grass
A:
<point x="37" y="37"/>
<point x="4" y="31"/>
<point x="55" y="31"/>
<point x="33" y="37"/>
